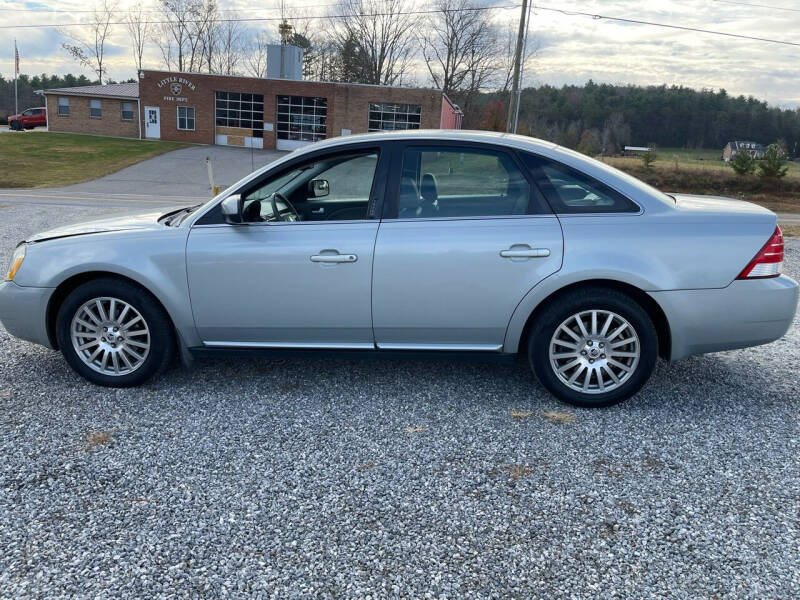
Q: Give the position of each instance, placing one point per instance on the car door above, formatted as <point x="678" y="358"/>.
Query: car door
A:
<point x="299" y="283"/>
<point x="465" y="236"/>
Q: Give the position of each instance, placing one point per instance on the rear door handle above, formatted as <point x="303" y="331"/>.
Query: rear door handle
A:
<point x="334" y="258"/>
<point x="318" y="211"/>
<point x="520" y="251"/>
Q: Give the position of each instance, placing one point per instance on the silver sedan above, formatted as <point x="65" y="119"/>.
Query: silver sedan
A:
<point x="414" y="243"/>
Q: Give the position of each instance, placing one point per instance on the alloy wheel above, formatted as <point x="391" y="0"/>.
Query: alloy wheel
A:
<point x="110" y="336"/>
<point x="594" y="351"/>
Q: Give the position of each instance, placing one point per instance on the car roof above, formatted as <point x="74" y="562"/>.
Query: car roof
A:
<point x="463" y="135"/>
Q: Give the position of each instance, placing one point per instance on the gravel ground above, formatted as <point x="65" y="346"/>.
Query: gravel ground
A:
<point x="382" y="479"/>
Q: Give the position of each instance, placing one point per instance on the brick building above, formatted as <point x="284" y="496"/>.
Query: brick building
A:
<point x="244" y="111"/>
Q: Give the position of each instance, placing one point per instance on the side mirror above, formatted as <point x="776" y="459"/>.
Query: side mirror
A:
<point x="232" y="209"/>
<point x="318" y="188"/>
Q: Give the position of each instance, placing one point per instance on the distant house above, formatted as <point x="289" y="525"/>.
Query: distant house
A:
<point x="636" y="150"/>
<point x="754" y="149"/>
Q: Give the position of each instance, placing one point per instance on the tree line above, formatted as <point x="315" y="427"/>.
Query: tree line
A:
<point x="598" y="118"/>
<point x="28" y="86"/>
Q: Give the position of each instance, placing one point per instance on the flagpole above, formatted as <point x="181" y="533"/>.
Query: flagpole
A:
<point x="16" y="76"/>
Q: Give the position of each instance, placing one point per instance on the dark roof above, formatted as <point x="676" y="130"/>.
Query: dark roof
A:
<point x="111" y="90"/>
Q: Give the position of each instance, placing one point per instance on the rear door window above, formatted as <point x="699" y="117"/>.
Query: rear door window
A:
<point x="442" y="181"/>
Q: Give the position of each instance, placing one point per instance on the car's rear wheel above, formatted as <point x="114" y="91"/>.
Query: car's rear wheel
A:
<point x="114" y="333"/>
<point x="594" y="347"/>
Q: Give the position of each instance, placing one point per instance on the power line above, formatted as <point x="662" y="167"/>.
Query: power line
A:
<point x="149" y="11"/>
<point x="563" y="11"/>
<point x="769" y="6"/>
<point x="570" y="13"/>
<point x="267" y="19"/>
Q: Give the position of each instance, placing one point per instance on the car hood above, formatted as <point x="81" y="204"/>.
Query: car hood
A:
<point x="141" y="221"/>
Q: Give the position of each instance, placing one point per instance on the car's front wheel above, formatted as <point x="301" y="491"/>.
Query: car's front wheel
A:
<point x="593" y="347"/>
<point x="114" y="333"/>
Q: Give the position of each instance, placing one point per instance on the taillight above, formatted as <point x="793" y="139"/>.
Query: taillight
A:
<point x="769" y="260"/>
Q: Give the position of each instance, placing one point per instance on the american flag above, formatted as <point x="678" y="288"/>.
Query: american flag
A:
<point x="16" y="59"/>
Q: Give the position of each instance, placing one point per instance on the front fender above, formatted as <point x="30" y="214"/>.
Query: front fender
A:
<point x="154" y="259"/>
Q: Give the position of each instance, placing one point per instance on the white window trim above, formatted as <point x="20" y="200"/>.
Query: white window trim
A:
<point x="59" y="105"/>
<point x="122" y="104"/>
<point x="178" y="118"/>
<point x="100" y="102"/>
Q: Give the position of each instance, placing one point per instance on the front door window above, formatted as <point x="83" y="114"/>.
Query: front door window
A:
<point x="332" y="188"/>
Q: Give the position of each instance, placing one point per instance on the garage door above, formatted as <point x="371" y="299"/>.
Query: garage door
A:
<point x="239" y="119"/>
<point x="300" y="121"/>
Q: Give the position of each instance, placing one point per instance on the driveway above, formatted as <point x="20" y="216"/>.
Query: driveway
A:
<point x="177" y="177"/>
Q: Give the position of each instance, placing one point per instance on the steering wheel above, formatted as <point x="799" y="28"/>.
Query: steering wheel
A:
<point x="273" y="199"/>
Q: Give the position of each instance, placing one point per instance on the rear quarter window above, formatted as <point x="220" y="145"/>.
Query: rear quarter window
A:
<point x="570" y="191"/>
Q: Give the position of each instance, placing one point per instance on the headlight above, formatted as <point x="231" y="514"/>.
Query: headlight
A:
<point x="16" y="261"/>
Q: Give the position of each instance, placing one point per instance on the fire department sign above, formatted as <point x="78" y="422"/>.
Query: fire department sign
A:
<point x="176" y="85"/>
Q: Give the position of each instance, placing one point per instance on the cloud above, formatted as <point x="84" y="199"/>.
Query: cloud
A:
<point x="572" y="48"/>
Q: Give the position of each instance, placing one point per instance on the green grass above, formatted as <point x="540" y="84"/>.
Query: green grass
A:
<point x="45" y="159"/>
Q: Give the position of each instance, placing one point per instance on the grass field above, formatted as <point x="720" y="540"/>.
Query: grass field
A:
<point x="45" y="159"/>
<point x="702" y="160"/>
<point x="702" y="172"/>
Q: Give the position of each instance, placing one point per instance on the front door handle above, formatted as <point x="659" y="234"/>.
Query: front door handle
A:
<point x="334" y="257"/>
<point x="318" y="211"/>
<point x="525" y="251"/>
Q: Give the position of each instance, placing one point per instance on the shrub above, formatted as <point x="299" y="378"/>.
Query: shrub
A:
<point x="649" y="158"/>
<point x="743" y="163"/>
<point x="774" y="164"/>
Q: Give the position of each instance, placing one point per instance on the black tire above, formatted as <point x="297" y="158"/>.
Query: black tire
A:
<point x="589" y="299"/>
<point x="162" y="338"/>
<point x="15" y="126"/>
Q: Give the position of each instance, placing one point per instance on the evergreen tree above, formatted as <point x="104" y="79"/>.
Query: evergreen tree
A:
<point x="743" y="163"/>
<point x="773" y="166"/>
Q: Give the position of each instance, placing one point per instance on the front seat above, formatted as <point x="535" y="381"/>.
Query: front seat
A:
<point x="429" y="193"/>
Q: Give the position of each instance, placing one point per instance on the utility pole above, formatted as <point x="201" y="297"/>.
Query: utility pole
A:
<point x="513" y="103"/>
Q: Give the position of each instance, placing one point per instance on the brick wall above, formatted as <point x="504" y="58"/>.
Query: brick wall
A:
<point x="348" y="104"/>
<point x="79" y="121"/>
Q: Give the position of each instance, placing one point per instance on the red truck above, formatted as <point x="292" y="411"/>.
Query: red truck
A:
<point x="28" y="119"/>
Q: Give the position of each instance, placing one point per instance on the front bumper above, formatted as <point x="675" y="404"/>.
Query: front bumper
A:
<point x="746" y="313"/>
<point x="23" y="311"/>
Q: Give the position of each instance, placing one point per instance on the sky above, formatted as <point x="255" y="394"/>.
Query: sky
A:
<point x="571" y="49"/>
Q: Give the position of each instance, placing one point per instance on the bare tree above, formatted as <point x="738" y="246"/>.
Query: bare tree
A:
<point x="508" y="45"/>
<point x="139" y="30"/>
<point x="88" y="44"/>
<point x="184" y="33"/>
<point x="382" y="31"/>
<point x="229" y="49"/>
<point x="255" y="53"/>
<point x="459" y="46"/>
